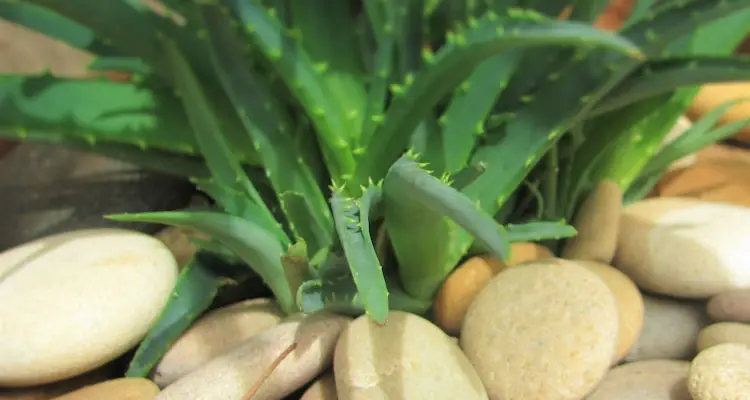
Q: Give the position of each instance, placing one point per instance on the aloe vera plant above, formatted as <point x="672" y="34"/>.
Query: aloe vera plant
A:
<point x="431" y="121"/>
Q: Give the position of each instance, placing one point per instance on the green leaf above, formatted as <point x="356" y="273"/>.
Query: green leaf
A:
<point x="193" y="293"/>
<point x="266" y="121"/>
<point x="55" y="26"/>
<point x="225" y="168"/>
<point x="589" y="10"/>
<point x="426" y="220"/>
<point x="304" y="227"/>
<point x="489" y="37"/>
<point x="257" y="247"/>
<point x="299" y="71"/>
<point x="661" y="76"/>
<point x="352" y="224"/>
<point x="130" y="65"/>
<point x="538" y="231"/>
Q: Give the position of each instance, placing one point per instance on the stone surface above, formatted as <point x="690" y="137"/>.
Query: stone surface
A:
<point x="324" y="388"/>
<point x="55" y="389"/>
<point x="48" y="189"/>
<point x="120" y="389"/>
<point x="645" y="380"/>
<point x="683" y="247"/>
<point x="629" y="304"/>
<point x="721" y="373"/>
<point x="460" y="287"/>
<point x="234" y="374"/>
<point x="730" y="306"/>
<point x="406" y="358"/>
<point x="670" y="329"/>
<point x="681" y="126"/>
<point x="723" y="332"/>
<point x="717" y="180"/>
<point x="544" y="330"/>
<point x="213" y="334"/>
<point x="714" y="95"/>
<point x="72" y="302"/>
<point x="597" y="223"/>
<point x="178" y="241"/>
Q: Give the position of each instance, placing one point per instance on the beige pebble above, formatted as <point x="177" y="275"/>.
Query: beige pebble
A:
<point x="324" y="388"/>
<point x="683" y="247"/>
<point x="233" y="374"/>
<point x="670" y="329"/>
<point x="629" y="304"/>
<point x="407" y="358"/>
<point x="597" y="223"/>
<point x="59" y="388"/>
<point x="547" y="330"/>
<point x="213" y="334"/>
<point x="723" y="332"/>
<point x="116" y="389"/>
<point x="645" y="380"/>
<point x="721" y="372"/>
<point x="178" y="241"/>
<point x="460" y="287"/>
<point x="713" y="95"/>
<point x="730" y="306"/>
<point x="74" y="301"/>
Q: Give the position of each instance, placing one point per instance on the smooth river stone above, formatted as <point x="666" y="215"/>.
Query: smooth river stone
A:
<point x="74" y="301"/>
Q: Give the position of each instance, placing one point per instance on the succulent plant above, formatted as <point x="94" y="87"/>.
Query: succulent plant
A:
<point x="436" y="122"/>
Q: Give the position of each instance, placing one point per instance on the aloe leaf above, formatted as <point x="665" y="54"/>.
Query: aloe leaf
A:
<point x="258" y="247"/>
<point x="464" y="177"/>
<point x="55" y="26"/>
<point x="131" y="26"/>
<point x="665" y="22"/>
<point x="339" y="294"/>
<point x="131" y="65"/>
<point x="454" y="62"/>
<point x="225" y="168"/>
<point x="299" y="71"/>
<point x="464" y="119"/>
<point x="193" y="293"/>
<point x="662" y="76"/>
<point x="588" y="10"/>
<point x="352" y="224"/>
<point x="551" y="8"/>
<point x="303" y="226"/>
<point x="701" y="134"/>
<point x="266" y="121"/>
<point x="334" y="45"/>
<point x="424" y="217"/>
<point x="538" y="231"/>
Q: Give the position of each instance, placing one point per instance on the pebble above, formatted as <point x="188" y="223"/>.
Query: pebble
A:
<point x="683" y="247"/>
<point x="214" y="334"/>
<point x="670" y="329"/>
<point x="324" y="388"/>
<point x="597" y="223"/>
<point x="723" y="332"/>
<point x="69" y="190"/>
<point x="74" y="301"/>
<point x="55" y="389"/>
<point x="730" y="306"/>
<point x="629" y="304"/>
<point x="460" y="287"/>
<point x="233" y="374"/>
<point x="116" y="389"/>
<point x="178" y="241"/>
<point x="721" y="373"/>
<point x="406" y="358"/>
<point x="547" y="330"/>
<point x="645" y="380"/>
<point x="723" y="180"/>
<point x="713" y="95"/>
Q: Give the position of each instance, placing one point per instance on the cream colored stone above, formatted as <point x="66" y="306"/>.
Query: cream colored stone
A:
<point x="214" y="334"/>
<point x="324" y="388"/>
<point x="119" y="389"/>
<point x="629" y="304"/>
<point x="310" y="341"/>
<point x="684" y="247"/>
<point x="547" y="330"/>
<point x="721" y="372"/>
<point x="407" y="358"/>
<point x="59" y="388"/>
<point x="645" y="380"/>
<point x="723" y="332"/>
<point x="670" y="329"/>
<point x="730" y="306"/>
<point x="74" y="301"/>
<point x="597" y="223"/>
